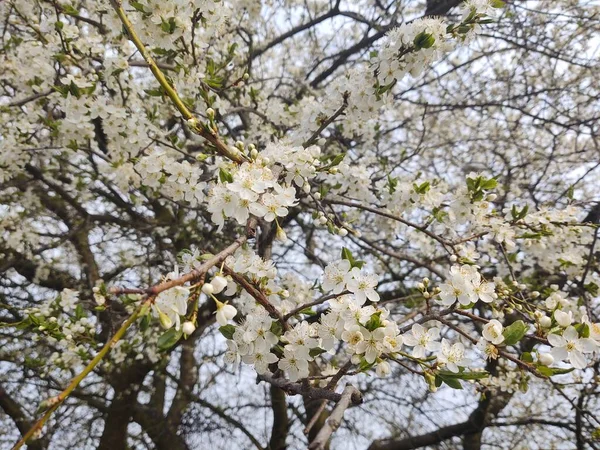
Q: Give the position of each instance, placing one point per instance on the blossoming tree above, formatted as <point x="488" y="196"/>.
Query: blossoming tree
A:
<point x="290" y="224"/>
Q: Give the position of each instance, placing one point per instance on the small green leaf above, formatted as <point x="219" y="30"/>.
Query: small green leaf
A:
<point x="526" y="357"/>
<point x="138" y="6"/>
<point x="347" y="254"/>
<point x="227" y="331"/>
<point x="583" y="329"/>
<point x="169" y="338"/>
<point x="277" y="328"/>
<point x="423" y="40"/>
<point x="225" y="176"/>
<point x="464" y="375"/>
<point x="145" y="323"/>
<point x="316" y="351"/>
<point x="453" y="382"/>
<point x="374" y="322"/>
<point x="514" y="332"/>
<point x="69" y="10"/>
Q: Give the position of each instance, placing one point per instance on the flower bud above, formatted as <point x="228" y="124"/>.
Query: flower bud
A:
<point x="563" y="319"/>
<point x="210" y="113"/>
<point x="546" y="359"/>
<point x="208" y="289"/>
<point x="280" y="234"/>
<point x="165" y="321"/>
<point x="218" y="283"/>
<point x="343" y="232"/>
<point x="188" y="328"/>
<point x="545" y="322"/>
<point x="383" y="369"/>
<point x="317" y="195"/>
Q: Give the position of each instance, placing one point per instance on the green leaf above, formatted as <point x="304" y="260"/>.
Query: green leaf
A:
<point x="364" y="365"/>
<point x="549" y="371"/>
<point x="374" y="322"/>
<point x="489" y="184"/>
<point x="69" y="10"/>
<point x="145" y="323"/>
<point x="423" y="40"/>
<point x="138" y="6"/>
<point x="583" y="329"/>
<point x="498" y="4"/>
<point x="154" y="92"/>
<point x="592" y="288"/>
<point x="308" y="312"/>
<point x="169" y="338"/>
<point x="337" y="159"/>
<point x="453" y="382"/>
<point x="227" y="331"/>
<point x="316" y="351"/>
<point x="168" y="26"/>
<point x="514" y="332"/>
<point x="276" y="328"/>
<point x="347" y="254"/>
<point x="80" y="313"/>
<point x="225" y="176"/>
<point x="526" y="357"/>
<point x="464" y="375"/>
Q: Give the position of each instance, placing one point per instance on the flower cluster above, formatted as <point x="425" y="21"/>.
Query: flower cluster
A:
<point x="251" y="188"/>
<point x="179" y="181"/>
<point x="466" y="286"/>
<point x="340" y="276"/>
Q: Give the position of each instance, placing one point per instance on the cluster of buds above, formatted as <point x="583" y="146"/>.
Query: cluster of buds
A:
<point x="423" y="287"/>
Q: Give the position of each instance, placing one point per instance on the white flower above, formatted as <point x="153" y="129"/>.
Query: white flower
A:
<point x="371" y="344"/>
<point x="261" y="359"/>
<point x="68" y="299"/>
<point x="570" y="346"/>
<point x="353" y="335"/>
<point x="334" y="278"/>
<point x="218" y="283"/>
<point x="232" y="356"/>
<point x="225" y="313"/>
<point x="485" y="291"/>
<point x="488" y="349"/>
<point x="259" y="332"/>
<point x="422" y="339"/>
<point x="170" y="305"/>
<point x="452" y="356"/>
<point x="562" y="318"/>
<point x="492" y="331"/>
<point x="362" y="285"/>
<point x="383" y="369"/>
<point x="329" y="329"/>
<point x="459" y="287"/>
<point x="293" y="365"/>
